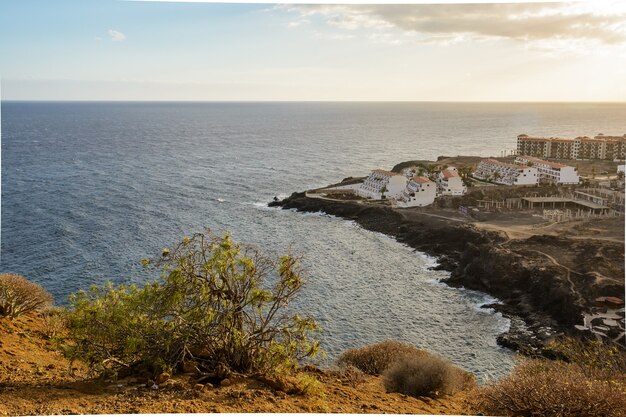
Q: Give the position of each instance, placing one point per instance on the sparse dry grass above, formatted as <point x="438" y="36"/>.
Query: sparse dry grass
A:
<point x="54" y="322"/>
<point x="351" y="375"/>
<point x="587" y="379"/>
<point x="552" y="388"/>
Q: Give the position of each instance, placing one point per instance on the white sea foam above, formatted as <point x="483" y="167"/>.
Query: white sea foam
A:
<point x="429" y="261"/>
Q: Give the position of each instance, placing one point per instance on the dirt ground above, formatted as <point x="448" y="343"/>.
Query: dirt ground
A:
<point x="35" y="380"/>
<point x="520" y="225"/>
<point x="594" y="246"/>
<point x="527" y="223"/>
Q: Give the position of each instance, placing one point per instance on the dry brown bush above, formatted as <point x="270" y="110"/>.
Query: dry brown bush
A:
<point x="553" y="388"/>
<point x="374" y="359"/>
<point x="426" y="375"/>
<point x="351" y="375"/>
<point x="54" y="322"/>
<point x="19" y="296"/>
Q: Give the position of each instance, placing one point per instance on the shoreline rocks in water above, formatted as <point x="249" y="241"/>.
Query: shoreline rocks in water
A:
<point x="538" y="296"/>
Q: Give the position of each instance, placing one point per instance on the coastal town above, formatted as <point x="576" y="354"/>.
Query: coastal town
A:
<point x="419" y="186"/>
<point x="347" y="208"/>
<point x="557" y="203"/>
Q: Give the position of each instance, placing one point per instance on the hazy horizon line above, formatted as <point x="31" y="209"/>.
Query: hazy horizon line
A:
<point x="308" y="101"/>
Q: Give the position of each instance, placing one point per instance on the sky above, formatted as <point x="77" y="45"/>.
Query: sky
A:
<point x="177" y="50"/>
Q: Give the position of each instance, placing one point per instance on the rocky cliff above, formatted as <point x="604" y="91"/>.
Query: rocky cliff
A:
<point x="540" y="296"/>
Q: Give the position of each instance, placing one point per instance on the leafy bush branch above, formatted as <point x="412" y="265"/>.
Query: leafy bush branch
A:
<point x="217" y="304"/>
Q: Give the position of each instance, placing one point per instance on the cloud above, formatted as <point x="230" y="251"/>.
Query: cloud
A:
<point x="298" y="23"/>
<point x="602" y="22"/>
<point x="326" y="36"/>
<point x="116" y="36"/>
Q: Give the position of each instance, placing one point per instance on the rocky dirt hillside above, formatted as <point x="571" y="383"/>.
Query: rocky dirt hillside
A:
<point x="35" y="380"/>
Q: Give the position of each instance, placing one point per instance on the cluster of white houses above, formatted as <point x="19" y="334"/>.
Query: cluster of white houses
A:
<point x="409" y="189"/>
<point x="526" y="170"/>
<point x="504" y="173"/>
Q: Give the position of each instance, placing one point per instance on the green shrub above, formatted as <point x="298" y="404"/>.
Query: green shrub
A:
<point x="425" y="375"/>
<point x="110" y="328"/>
<point x="374" y="359"/>
<point x="310" y="386"/>
<point x="212" y="305"/>
<point x="553" y="388"/>
<point x="19" y="296"/>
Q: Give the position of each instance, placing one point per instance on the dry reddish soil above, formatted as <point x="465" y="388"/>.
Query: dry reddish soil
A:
<point x="590" y="246"/>
<point x="35" y="380"/>
<point x="519" y="225"/>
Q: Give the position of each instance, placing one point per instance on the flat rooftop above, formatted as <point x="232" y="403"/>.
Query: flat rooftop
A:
<point x="590" y="204"/>
<point x="547" y="199"/>
<point x="591" y="195"/>
<point x="585" y="203"/>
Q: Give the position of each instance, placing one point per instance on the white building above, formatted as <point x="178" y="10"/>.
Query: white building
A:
<point x="621" y="168"/>
<point x="507" y="174"/>
<point x="551" y="172"/>
<point x="449" y="182"/>
<point x="419" y="192"/>
<point x="380" y="182"/>
<point x="408" y="172"/>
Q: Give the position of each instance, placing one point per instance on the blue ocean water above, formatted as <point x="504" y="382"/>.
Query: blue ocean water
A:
<point x="89" y="189"/>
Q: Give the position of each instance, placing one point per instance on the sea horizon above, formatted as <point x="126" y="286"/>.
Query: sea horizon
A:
<point x="309" y="101"/>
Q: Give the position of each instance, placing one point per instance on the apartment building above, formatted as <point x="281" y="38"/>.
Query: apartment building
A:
<point x="449" y="182"/>
<point x="550" y="172"/>
<point x="419" y="192"/>
<point x="381" y="183"/>
<point x="582" y="147"/>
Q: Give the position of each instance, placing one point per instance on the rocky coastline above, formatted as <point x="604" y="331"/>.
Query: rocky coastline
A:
<point x="539" y="297"/>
